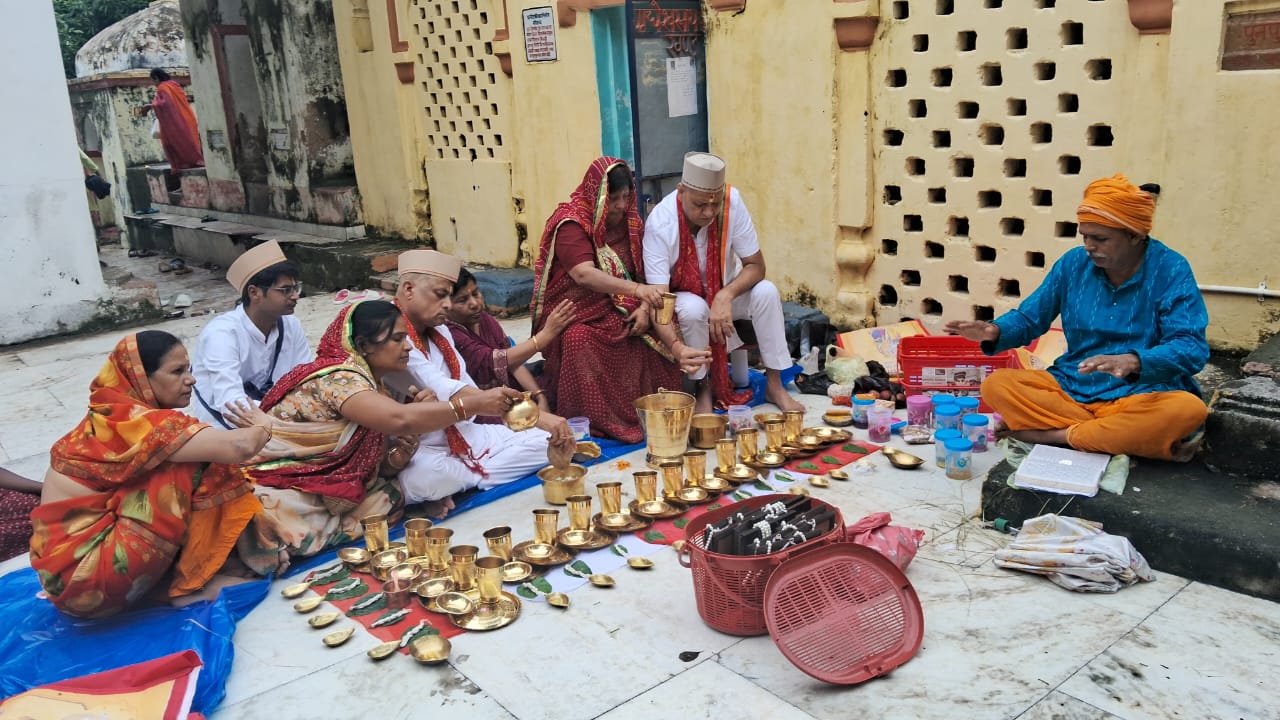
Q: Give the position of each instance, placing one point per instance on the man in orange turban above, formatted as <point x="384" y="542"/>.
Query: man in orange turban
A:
<point x="1134" y="323"/>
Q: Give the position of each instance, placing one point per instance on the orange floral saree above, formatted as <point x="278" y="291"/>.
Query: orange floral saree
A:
<point x="148" y="519"/>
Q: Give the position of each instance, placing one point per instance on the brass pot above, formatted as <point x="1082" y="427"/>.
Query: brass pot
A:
<point x="706" y="428"/>
<point x="559" y="483"/>
<point x="524" y="413"/>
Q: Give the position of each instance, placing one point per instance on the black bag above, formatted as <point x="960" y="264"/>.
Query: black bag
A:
<point x="99" y="187"/>
<point x="815" y="384"/>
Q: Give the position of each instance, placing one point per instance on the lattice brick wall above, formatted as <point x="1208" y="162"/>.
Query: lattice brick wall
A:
<point x="989" y="118"/>
<point x="465" y="93"/>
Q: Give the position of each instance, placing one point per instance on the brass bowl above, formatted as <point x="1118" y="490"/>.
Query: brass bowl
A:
<point x="798" y="490"/>
<point x="383" y="562"/>
<point x="435" y="587"/>
<point x="809" y="441"/>
<point x="431" y="650"/>
<point x="771" y="459"/>
<point x="706" y="428"/>
<point x="455" y="603"/>
<point x="560" y="483"/>
<point x="516" y="571"/>
<point x="539" y="550"/>
<point x="407" y="572"/>
<point x="354" y="557"/>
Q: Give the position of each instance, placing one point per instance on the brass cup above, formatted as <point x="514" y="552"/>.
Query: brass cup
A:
<point x="499" y="541"/>
<point x="748" y="444"/>
<point x="415" y="536"/>
<point x="667" y="312"/>
<point x="385" y="560"/>
<point x="672" y="477"/>
<point x="375" y="533"/>
<point x="438" y="540"/>
<point x="397" y="593"/>
<point x="646" y="485"/>
<point x="695" y="466"/>
<point x="462" y="566"/>
<point x="726" y="454"/>
<point x="489" y="578"/>
<point x="610" y="497"/>
<point x="792" y="424"/>
<point x="774" y="435"/>
<point x="546" y="521"/>
<point x="579" y="512"/>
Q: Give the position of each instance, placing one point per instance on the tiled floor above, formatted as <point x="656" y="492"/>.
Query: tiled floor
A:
<point x="996" y="644"/>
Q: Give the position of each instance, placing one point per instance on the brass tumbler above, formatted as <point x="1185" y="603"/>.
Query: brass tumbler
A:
<point x="499" y="541"/>
<point x="610" y="497"/>
<point x="489" y="578"/>
<point x="646" y="485"/>
<point x="672" y="477"/>
<point x="726" y="454"/>
<point x="375" y="533"/>
<point x="462" y="566"/>
<point x="695" y="466"/>
<point x="546" y="521"/>
<point x="579" y="512"/>
<point x="438" y="540"/>
<point x="415" y="536"/>
<point x="748" y="444"/>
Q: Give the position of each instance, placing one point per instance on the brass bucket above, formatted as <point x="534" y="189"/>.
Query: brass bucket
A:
<point x="665" y="417"/>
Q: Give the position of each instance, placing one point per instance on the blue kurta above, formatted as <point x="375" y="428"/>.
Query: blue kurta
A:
<point x="1158" y="314"/>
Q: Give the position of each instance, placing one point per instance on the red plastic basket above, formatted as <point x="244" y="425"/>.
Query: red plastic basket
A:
<point x="729" y="589"/>
<point x="917" y="354"/>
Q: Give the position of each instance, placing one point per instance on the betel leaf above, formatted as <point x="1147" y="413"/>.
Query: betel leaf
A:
<point x="654" y="536"/>
<point x="390" y="618"/>
<point x="762" y="486"/>
<point x="413" y="633"/>
<point x="855" y="449"/>
<point x="739" y="495"/>
<point x="830" y="460"/>
<point x="346" y="590"/>
<point x="330" y="575"/>
<point x="577" y="568"/>
<point x="526" y="592"/>
<point x="541" y="583"/>
<point x="371" y="604"/>
<point x="806" y="465"/>
<point x="620" y="550"/>
<point x="680" y="523"/>
<point x="784" y="476"/>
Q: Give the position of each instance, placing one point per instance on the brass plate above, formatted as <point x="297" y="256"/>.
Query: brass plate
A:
<point x="334" y="639"/>
<point x="694" y="495"/>
<point x="620" y="522"/>
<point x="490" y="616"/>
<point x="769" y="460"/>
<point x="762" y="418"/>
<point x="657" y="509"/>
<point x="791" y="452"/>
<point x="516" y="571"/>
<point x="738" y="474"/>
<point x="584" y="539"/>
<point x="540" y="554"/>
<point x="825" y="434"/>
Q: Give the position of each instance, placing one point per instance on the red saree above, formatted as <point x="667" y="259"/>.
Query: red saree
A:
<point x="97" y="554"/>
<point x="179" y="131"/>
<point x="595" y="368"/>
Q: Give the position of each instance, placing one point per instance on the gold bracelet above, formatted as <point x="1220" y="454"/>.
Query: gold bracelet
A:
<point x="536" y="346"/>
<point x="453" y="403"/>
<point x="462" y="405"/>
<point x="267" y="427"/>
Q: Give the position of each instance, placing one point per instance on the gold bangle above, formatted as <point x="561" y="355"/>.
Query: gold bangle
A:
<point x="453" y="403"/>
<point x="536" y="346"/>
<point x="463" y="406"/>
<point x="267" y="427"/>
<point x="636" y="293"/>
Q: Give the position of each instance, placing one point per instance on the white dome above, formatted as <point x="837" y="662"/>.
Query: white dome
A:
<point x="149" y="38"/>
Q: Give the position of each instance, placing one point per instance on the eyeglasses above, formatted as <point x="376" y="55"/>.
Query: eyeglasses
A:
<point x="294" y="290"/>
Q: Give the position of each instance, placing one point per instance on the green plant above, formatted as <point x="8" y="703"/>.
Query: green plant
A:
<point x="80" y="20"/>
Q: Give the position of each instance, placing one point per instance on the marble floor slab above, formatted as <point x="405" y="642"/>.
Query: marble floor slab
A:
<point x="1059" y="706"/>
<point x="706" y="691"/>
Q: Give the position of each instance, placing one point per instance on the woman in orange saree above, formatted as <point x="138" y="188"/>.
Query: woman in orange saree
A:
<point x="179" y="131"/>
<point x="140" y="495"/>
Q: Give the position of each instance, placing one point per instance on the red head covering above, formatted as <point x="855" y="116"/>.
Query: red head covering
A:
<point x="1115" y="202"/>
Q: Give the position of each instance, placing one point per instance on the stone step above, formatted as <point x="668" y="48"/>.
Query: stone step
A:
<point x="1242" y="434"/>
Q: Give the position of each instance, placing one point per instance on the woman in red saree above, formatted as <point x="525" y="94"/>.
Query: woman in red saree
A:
<point x="140" y="495"/>
<point x="179" y="131"/>
<point x="591" y="254"/>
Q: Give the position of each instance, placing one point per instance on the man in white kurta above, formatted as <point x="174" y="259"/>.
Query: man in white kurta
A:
<point x="745" y="294"/>
<point x="236" y="356"/>
<point x="436" y="472"/>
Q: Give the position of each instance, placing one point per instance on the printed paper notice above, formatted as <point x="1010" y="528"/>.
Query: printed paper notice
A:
<point x="682" y="87"/>
<point x="539" y="35"/>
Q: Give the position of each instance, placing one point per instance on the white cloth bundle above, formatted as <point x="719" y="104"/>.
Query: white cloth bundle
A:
<point x="1075" y="554"/>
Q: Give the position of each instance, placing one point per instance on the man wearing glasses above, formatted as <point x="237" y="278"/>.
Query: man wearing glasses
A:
<point x="242" y="353"/>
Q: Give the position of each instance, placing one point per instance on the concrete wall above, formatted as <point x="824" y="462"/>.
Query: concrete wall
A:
<point x="48" y="257"/>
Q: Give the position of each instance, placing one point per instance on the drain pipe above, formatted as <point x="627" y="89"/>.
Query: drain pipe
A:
<point x="1261" y="292"/>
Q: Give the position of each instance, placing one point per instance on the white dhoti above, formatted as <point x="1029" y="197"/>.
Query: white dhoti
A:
<point x="762" y="305"/>
<point x="435" y="473"/>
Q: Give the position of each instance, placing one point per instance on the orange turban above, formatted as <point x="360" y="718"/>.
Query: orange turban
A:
<point x="1116" y="203"/>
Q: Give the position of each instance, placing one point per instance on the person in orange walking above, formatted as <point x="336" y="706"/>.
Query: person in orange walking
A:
<point x="179" y="131"/>
<point x="1134" y="322"/>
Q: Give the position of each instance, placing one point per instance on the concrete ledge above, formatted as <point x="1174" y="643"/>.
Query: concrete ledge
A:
<point x="336" y="232"/>
<point x="507" y="291"/>
<point x="1183" y="518"/>
<point x="1243" y="429"/>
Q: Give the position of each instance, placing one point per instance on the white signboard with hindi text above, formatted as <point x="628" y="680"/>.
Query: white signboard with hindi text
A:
<point x="539" y="35"/>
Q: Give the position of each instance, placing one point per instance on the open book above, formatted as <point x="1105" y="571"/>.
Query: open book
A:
<point x="1061" y="470"/>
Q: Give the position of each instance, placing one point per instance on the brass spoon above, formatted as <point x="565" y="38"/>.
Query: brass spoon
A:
<point x="431" y="649"/>
<point x="818" y="481"/>
<point x="797" y="490"/>
<point x="311" y="603"/>
<point x="640" y="563"/>
<point x="838" y="475"/>
<point x="600" y="580"/>
<point x="558" y="599"/>
<point x="295" y="590"/>
<point x="323" y="619"/>
<point x="383" y="650"/>
<point x="334" y="639"/>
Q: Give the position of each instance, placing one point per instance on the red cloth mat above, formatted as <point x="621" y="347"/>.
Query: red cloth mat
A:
<point x="833" y="457"/>
<point x="416" y="613"/>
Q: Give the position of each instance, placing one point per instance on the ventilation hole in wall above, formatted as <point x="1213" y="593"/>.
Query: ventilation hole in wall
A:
<point x="1068" y="103"/>
<point x="889" y="247"/>
<point x="958" y="284"/>
<point x="929" y="306"/>
<point x="966" y="41"/>
<point x="1046" y="4"/>
<point x="938" y="195"/>
<point x="946" y="7"/>
<point x="1099" y="69"/>
<point x="892" y="137"/>
<point x="1072" y="33"/>
<point x="900" y="10"/>
<point x="896" y="78"/>
<point x="990" y="199"/>
<point x="1015" y="38"/>
<point x="993" y="4"/>
<point x="967" y="110"/>
<point x="1046" y="70"/>
<point x="1069" y="165"/>
<point x="1015" y="167"/>
<point x="915" y="166"/>
<point x="1017" y="107"/>
<point x="942" y="77"/>
<point x="1041" y="197"/>
<point x="942" y="138"/>
<point x="1035" y="259"/>
<point x="984" y="313"/>
<point x="1010" y="288"/>
<point x="1013" y="227"/>
<point x="1041" y="132"/>
<point x="892" y="194"/>
<point x="958" y="226"/>
<point x="912" y="223"/>
<point x="917" y="108"/>
<point x="920" y="43"/>
<point x="910" y="278"/>
<point x="934" y="250"/>
<point x="1064" y="229"/>
<point x="992" y="135"/>
<point x="962" y="167"/>
<point x="1100" y="136"/>
<point x="984" y="253"/>
<point x="888" y="295"/>
<point x="991" y="75"/>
